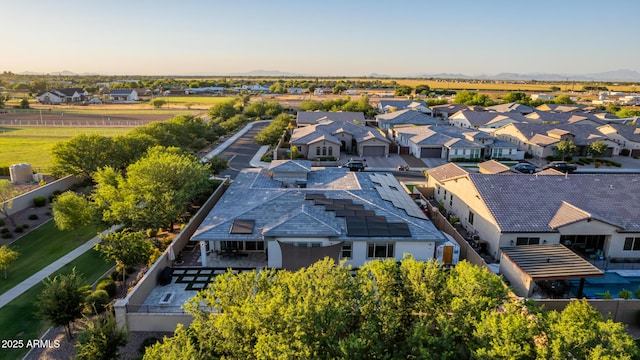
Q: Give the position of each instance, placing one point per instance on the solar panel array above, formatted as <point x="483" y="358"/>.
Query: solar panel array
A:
<point x="360" y="222"/>
<point x="388" y="188"/>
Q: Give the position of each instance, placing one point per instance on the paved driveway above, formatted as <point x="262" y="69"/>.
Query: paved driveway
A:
<point x="241" y="152"/>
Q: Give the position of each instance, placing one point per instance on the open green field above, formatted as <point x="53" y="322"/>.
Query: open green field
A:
<point x="32" y="145"/>
<point x="40" y="248"/>
<point x="196" y="100"/>
<point x="17" y="318"/>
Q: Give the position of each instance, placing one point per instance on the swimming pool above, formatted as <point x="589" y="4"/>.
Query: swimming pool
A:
<point x="612" y="281"/>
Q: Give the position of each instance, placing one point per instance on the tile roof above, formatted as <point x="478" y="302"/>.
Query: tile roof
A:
<point x="290" y="166"/>
<point x="402" y="104"/>
<point x="312" y="117"/>
<point x="529" y="203"/>
<point x="627" y="131"/>
<point x="408" y="116"/>
<point x="447" y="171"/>
<point x="492" y="167"/>
<point x="511" y="107"/>
<point x="584" y="133"/>
<point x="443" y="135"/>
<point x="327" y="129"/>
<point x="481" y="118"/>
<point x="279" y="211"/>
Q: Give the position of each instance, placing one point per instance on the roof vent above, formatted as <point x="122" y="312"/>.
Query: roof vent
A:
<point x="610" y="186"/>
<point x="596" y="179"/>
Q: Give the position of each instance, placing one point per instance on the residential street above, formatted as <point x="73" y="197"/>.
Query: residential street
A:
<point x="241" y="151"/>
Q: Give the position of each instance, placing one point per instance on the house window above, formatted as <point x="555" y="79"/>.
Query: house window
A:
<point x="471" y="215"/>
<point x="379" y="250"/>
<point x="317" y="150"/>
<point x="631" y="244"/>
<point x="455" y="152"/>
<point x="330" y="150"/>
<point x="346" y="250"/>
<point x="451" y="201"/>
<point x="324" y="151"/>
<point x="254" y="245"/>
<point x="438" y="189"/>
<point x="527" y="241"/>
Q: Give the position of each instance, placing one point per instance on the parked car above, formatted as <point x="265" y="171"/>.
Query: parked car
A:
<point x="354" y="165"/>
<point x="561" y="166"/>
<point x="525" y="168"/>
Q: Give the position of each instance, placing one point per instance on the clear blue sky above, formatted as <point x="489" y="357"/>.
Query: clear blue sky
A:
<point x="328" y="37"/>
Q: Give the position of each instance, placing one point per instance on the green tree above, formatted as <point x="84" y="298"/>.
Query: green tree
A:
<point x="273" y="132"/>
<point x="182" y="345"/>
<point x="61" y="301"/>
<point x="7" y="193"/>
<point x="598" y="148"/>
<point x="563" y="99"/>
<point x="7" y="257"/>
<point x="218" y="164"/>
<point x="82" y="155"/>
<point x="403" y="90"/>
<point x="518" y="97"/>
<point x="157" y="103"/>
<point x="339" y="88"/>
<point x="423" y="89"/>
<point x="72" y="211"/>
<point x="155" y="191"/>
<point x="101" y="339"/>
<point x="464" y="97"/>
<point x="223" y="110"/>
<point x="24" y="103"/>
<point x="580" y="332"/>
<point x="126" y="248"/>
<point x="565" y="148"/>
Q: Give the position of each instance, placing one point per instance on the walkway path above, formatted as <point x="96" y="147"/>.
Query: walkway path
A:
<point x="36" y="278"/>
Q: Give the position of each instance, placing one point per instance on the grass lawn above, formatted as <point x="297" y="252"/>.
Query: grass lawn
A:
<point x="17" y="318"/>
<point x="33" y="145"/>
<point x="40" y="248"/>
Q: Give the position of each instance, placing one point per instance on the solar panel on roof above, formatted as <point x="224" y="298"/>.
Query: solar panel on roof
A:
<point x="344" y="213"/>
<point x="399" y="229"/>
<point x="242" y="226"/>
<point x="378" y="232"/>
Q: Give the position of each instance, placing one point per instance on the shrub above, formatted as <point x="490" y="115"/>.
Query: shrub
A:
<point x="6" y="235"/>
<point x="33" y="217"/>
<point x="636" y="294"/>
<point x="4" y="171"/>
<point x="624" y="294"/>
<point x="607" y="295"/>
<point x="266" y="158"/>
<point x="39" y="201"/>
<point x="597" y="164"/>
<point x="48" y="213"/>
<point x="18" y="229"/>
<point x="96" y="302"/>
<point x="1" y="222"/>
<point x="107" y="284"/>
<point x="146" y="343"/>
<point x="4" y="231"/>
<point x="24" y="226"/>
<point x="454" y="220"/>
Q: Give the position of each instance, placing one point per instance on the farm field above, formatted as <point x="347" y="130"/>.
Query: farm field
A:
<point x="32" y="145"/>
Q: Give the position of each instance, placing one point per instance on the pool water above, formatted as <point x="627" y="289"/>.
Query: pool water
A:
<point x="611" y="281"/>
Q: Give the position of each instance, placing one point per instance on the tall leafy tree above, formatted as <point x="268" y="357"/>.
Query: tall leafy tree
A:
<point x="7" y="257"/>
<point x="60" y="303"/>
<point x="598" y="148"/>
<point x="72" y="211"/>
<point x="565" y="148"/>
<point x="155" y="191"/>
<point x="101" y="339"/>
<point x="82" y="155"/>
<point x="224" y="110"/>
<point x="126" y="248"/>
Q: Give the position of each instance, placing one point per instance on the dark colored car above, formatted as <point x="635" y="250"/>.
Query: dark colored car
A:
<point x="525" y="168"/>
<point x="561" y="166"/>
<point x="354" y="165"/>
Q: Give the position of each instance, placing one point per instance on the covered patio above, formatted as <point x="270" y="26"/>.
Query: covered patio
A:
<point x="526" y="265"/>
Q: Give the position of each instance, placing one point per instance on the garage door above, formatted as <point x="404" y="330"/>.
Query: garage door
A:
<point x="431" y="152"/>
<point x="373" y="151"/>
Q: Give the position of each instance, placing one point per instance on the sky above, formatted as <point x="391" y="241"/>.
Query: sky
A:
<point x="330" y="37"/>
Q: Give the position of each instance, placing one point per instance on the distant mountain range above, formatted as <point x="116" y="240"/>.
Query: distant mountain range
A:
<point x="622" y="75"/>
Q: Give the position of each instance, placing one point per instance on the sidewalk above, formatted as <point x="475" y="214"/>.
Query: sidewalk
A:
<point x="36" y="278"/>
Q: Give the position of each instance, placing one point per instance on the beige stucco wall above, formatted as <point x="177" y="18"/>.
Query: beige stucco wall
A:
<point x="311" y="151"/>
<point x="520" y="283"/>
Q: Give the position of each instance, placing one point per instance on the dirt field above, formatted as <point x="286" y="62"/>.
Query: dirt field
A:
<point x="56" y="118"/>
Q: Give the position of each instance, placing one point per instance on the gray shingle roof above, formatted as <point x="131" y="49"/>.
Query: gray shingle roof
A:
<point x="584" y="133"/>
<point x="408" y="116"/>
<point x="312" y="117"/>
<point x="447" y="171"/>
<point x="525" y="203"/>
<point x="327" y="129"/>
<point x="290" y="166"/>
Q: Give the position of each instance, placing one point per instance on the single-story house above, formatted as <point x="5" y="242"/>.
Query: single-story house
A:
<point x="446" y="110"/>
<point x="350" y="216"/>
<point x="123" y="95"/>
<point x="406" y="117"/>
<point x="328" y="138"/>
<point x="481" y="119"/>
<point x="626" y="136"/>
<point x="387" y="106"/>
<point x="549" y="117"/>
<point x="63" y="96"/>
<point x="450" y="142"/>
<point x="594" y="214"/>
<point x="304" y="118"/>
<point x="540" y="140"/>
<point x="512" y="107"/>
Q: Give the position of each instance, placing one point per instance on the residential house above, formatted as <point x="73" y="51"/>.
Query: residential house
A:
<point x="124" y="95"/>
<point x="494" y="167"/>
<point x="63" y="96"/>
<point x="322" y="91"/>
<point x="512" y="107"/>
<point x="591" y="213"/>
<point x="387" y="106"/>
<point x="626" y="136"/>
<point x="350" y="216"/>
<point x="297" y="90"/>
<point x="564" y="107"/>
<point x="543" y="97"/>
<point x="550" y="117"/>
<point x="305" y="118"/>
<point x="444" y="111"/>
<point x="255" y="88"/>
<point x="328" y="138"/>
<point x="482" y="119"/>
<point x="540" y="140"/>
<point x="406" y="117"/>
<point x="449" y="142"/>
